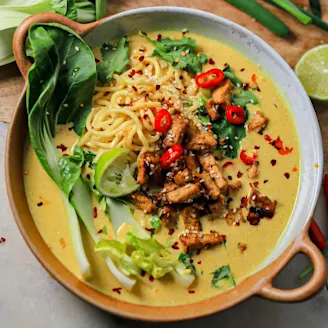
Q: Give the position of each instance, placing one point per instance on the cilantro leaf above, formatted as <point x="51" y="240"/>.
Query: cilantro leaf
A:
<point x="179" y="53"/>
<point x="104" y="230"/>
<point x="115" y="59"/>
<point x="185" y="259"/>
<point x="223" y="273"/>
<point x="155" y="222"/>
<point x="243" y="98"/>
<point x="234" y="132"/>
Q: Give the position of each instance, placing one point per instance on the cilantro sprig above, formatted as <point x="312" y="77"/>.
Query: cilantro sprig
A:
<point x="179" y="53"/>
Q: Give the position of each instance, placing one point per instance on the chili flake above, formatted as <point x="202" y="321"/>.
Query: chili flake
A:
<point x="175" y="245"/>
<point x="158" y="87"/>
<point x="40" y="204"/>
<point x="242" y="247"/>
<point x="265" y="181"/>
<point x="273" y="162"/>
<point x="225" y="165"/>
<point x="244" y="202"/>
<point x="199" y="262"/>
<point x="61" y="147"/>
<point x="159" y="37"/>
<point x="211" y="61"/>
<point x="171" y="232"/>
<point x="229" y="177"/>
<point x="151" y="278"/>
<point x="2" y="240"/>
<point x="294" y="169"/>
<point x="95" y="212"/>
<point x="191" y="291"/>
<point x="117" y="290"/>
<point x="287" y="175"/>
<point x="242" y="70"/>
<point x="239" y="175"/>
<point x="141" y="58"/>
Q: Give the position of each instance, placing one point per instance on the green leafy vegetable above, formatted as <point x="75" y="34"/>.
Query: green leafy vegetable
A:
<point x="115" y="59"/>
<point x="52" y="44"/>
<point x="71" y="86"/>
<point x="232" y="77"/>
<point x="185" y="259"/>
<point x="71" y="11"/>
<point x="8" y="23"/>
<point x="202" y="112"/>
<point x="117" y="250"/>
<point x="70" y="169"/>
<point x="34" y="6"/>
<point x="179" y="53"/>
<point x="101" y="9"/>
<point x="223" y="273"/>
<point x="234" y="132"/>
<point x="244" y="97"/>
<point x="156" y="260"/>
<point x="155" y="222"/>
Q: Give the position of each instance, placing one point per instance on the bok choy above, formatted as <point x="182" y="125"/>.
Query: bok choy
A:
<point x="13" y="12"/>
<point x="52" y="80"/>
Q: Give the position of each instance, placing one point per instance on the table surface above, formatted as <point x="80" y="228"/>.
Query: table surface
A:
<point x="30" y="298"/>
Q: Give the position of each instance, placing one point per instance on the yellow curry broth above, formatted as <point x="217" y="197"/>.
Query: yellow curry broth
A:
<point x="260" y="240"/>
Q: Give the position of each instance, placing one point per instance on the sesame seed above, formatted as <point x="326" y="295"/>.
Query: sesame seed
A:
<point x="65" y="105"/>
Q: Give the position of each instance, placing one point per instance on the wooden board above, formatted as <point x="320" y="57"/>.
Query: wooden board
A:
<point x="301" y="39"/>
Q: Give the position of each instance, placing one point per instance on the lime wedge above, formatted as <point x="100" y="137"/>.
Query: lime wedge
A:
<point x="113" y="175"/>
<point x="312" y="70"/>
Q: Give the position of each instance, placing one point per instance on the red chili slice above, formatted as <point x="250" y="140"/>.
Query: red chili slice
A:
<point x="210" y="78"/>
<point x="170" y="156"/>
<point x="163" y="121"/>
<point x="235" y="114"/>
<point x="247" y="159"/>
<point x="317" y="236"/>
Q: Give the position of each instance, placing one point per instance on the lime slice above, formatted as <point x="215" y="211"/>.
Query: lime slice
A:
<point x="312" y="70"/>
<point x="113" y="175"/>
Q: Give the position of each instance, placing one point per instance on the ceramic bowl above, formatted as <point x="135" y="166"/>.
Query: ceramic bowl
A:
<point x="295" y="238"/>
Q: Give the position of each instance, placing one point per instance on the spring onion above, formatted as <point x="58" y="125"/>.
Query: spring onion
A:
<point x="262" y="15"/>
<point x="292" y="9"/>
<point x="316" y="20"/>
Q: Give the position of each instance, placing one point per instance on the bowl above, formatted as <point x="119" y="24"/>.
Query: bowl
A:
<point x="295" y="237"/>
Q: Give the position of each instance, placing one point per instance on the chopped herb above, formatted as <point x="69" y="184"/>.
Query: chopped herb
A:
<point x="104" y="230"/>
<point x="232" y="77"/>
<point x="225" y="129"/>
<point x="155" y="222"/>
<point x="186" y="260"/>
<point x="114" y="59"/>
<point x="202" y="112"/>
<point x="179" y="53"/>
<point x="187" y="103"/>
<point x="223" y="273"/>
<point x="243" y="98"/>
<point x="202" y="272"/>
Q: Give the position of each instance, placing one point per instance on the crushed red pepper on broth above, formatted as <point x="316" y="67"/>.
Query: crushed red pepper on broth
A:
<point x="205" y="179"/>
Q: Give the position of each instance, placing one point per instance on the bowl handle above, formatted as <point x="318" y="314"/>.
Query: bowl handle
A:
<point x="23" y="62"/>
<point x="302" y="245"/>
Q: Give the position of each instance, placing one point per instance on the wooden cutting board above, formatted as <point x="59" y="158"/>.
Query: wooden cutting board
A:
<point x="301" y="39"/>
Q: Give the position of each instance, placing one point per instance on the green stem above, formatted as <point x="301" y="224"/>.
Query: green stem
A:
<point x="262" y="15"/>
<point x="293" y="10"/>
<point x="316" y="20"/>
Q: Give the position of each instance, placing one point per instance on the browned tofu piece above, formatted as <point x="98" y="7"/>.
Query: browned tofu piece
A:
<point x="176" y="132"/>
<point x="219" y="208"/>
<point x="184" y="194"/>
<point x="212" y="188"/>
<point x="260" y="207"/>
<point x="222" y="93"/>
<point x="191" y="162"/>
<point x="253" y="171"/>
<point x="148" y="162"/>
<point x="170" y="186"/>
<point x="234" y="217"/>
<point x="202" y="141"/>
<point x="212" y="109"/>
<point x="169" y="216"/>
<point x="210" y="165"/>
<point x="192" y="130"/>
<point x="141" y="201"/>
<point x="183" y="177"/>
<point x="190" y="219"/>
<point x="258" y="122"/>
<point x="196" y="241"/>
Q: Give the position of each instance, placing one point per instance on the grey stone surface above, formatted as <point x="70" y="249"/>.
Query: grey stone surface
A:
<point x="29" y="298"/>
